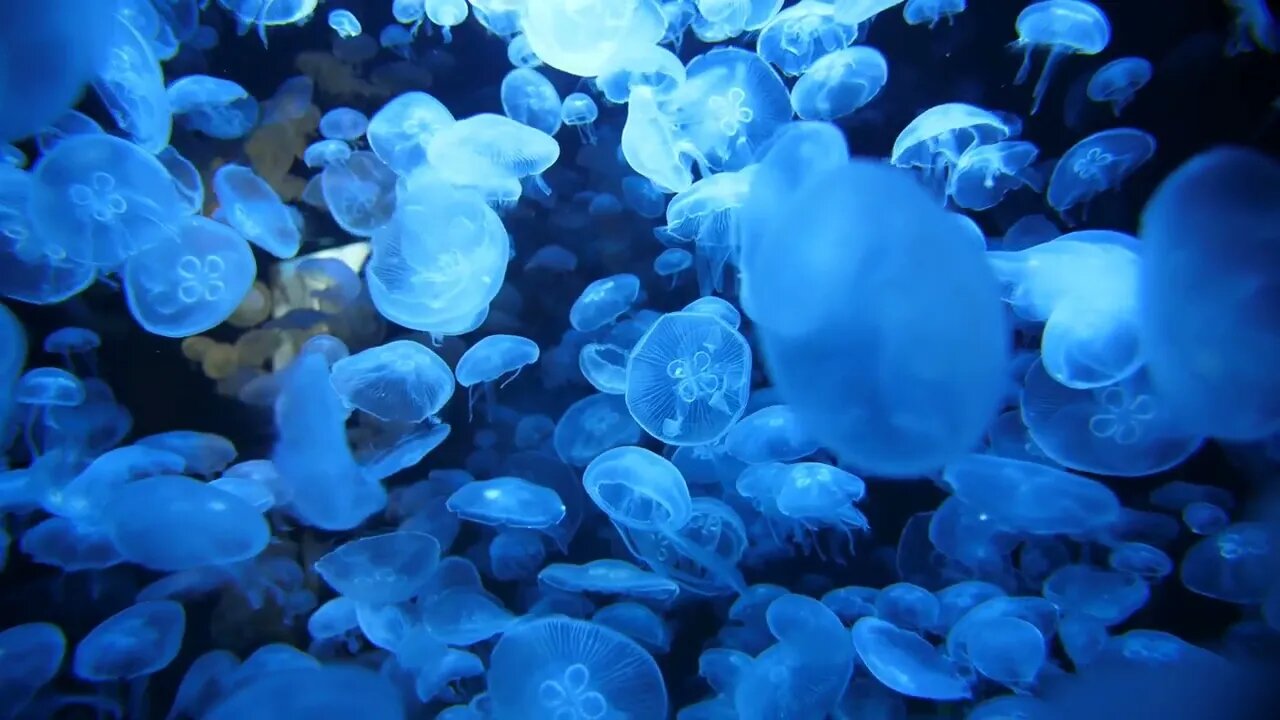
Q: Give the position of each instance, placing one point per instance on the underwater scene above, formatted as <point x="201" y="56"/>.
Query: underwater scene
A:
<point x="640" y="359"/>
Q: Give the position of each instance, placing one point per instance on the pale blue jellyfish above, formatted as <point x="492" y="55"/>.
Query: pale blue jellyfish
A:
<point x="854" y="12"/>
<point x="1209" y="344"/>
<point x="906" y="662"/>
<point x="33" y="655"/>
<point x="1097" y="163"/>
<point x="359" y="193"/>
<point x="478" y="150"/>
<point x="796" y="38"/>
<point x="918" y="12"/>
<point x="1117" y="81"/>
<point x="651" y="67"/>
<point x="507" y="502"/>
<point x="491" y="358"/>
<point x="819" y="496"/>
<point x="98" y="199"/>
<point x="1038" y="611"/>
<point x="1064" y="27"/>
<point x="638" y="489"/>
<point x="642" y="196"/>
<point x="984" y="174"/>
<point x="68" y="546"/>
<point x="1255" y="27"/>
<point x="908" y="606"/>
<point x="447" y="14"/>
<point x="402" y="381"/>
<point x="716" y="307"/>
<point x="516" y="554"/>
<point x="580" y="36"/>
<point x="130" y="83"/>
<point x="191" y="284"/>
<point x="401" y="130"/>
<point x="186" y="179"/>
<point x="520" y="55"/>
<point x="74" y="341"/>
<point x="580" y="111"/>
<point x="637" y="622"/>
<point x="652" y="145"/>
<point x="344" y="23"/>
<point x="265" y="13"/>
<point x="1029" y="497"/>
<point x="255" y="210"/>
<point x="66" y="125"/>
<point x="603" y="301"/>
<point x="1008" y="650"/>
<point x="771" y="434"/>
<point x="1236" y="565"/>
<point x="31" y="270"/>
<point x="839" y="83"/>
<point x="1140" y="559"/>
<point x="1177" y="494"/>
<point x="528" y="97"/>
<point x="216" y="107"/>
<point x="604" y="365"/>
<point x="1105" y="595"/>
<point x="1205" y="518"/>
<point x="707" y="214"/>
<point x="135" y="642"/>
<point x="671" y="262"/>
<point x="688" y="378"/>
<point x="609" y="577"/>
<point x="343" y="123"/>
<point x="1121" y="429"/>
<point x="397" y="39"/>
<point x="381" y="569"/>
<point x="938" y="137"/>
<point x="322" y="153"/>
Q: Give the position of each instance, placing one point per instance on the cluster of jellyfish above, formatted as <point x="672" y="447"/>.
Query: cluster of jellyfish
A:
<point x="703" y="339"/>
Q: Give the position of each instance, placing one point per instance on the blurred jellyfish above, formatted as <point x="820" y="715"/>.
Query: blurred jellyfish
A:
<point x="917" y="12"/>
<point x="381" y="569"/>
<point x="1255" y="27"/>
<point x="1064" y="27"/>
<point x="1097" y="163"/>
<point x="839" y="83"/>
<point x="671" y="262"/>
<point x="520" y="55"/>
<point x="794" y="39"/>
<point x="35" y="651"/>
<point x="528" y="97"/>
<point x="592" y="425"/>
<point x="906" y="662"/>
<point x="650" y="67"/>
<point x="707" y="214"/>
<point x="984" y="174"/>
<point x="1031" y="498"/>
<point x="253" y="208"/>
<point x="68" y="124"/>
<point x="447" y="14"/>
<point x="771" y="434"/>
<point x="507" y="502"/>
<point x="216" y="107"/>
<point x="131" y="84"/>
<point x="30" y="270"/>
<point x="323" y="153"/>
<point x="343" y="124"/>
<point x="580" y="36"/>
<point x="580" y="111"/>
<point x="855" y="12"/>
<point x="1117" y="81"/>
<point x="609" y="577"/>
<point x="186" y="179"/>
<point x="344" y="23"/>
<point x="360" y="193"/>
<point x="135" y="642"/>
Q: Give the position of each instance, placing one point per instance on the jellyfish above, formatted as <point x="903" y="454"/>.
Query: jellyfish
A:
<point x="203" y="454"/>
<point x="1205" y="518"/>
<point x="839" y="83"/>
<point x="556" y="258"/>
<point x="528" y="97"/>
<point x="343" y="690"/>
<point x="938" y="137"/>
<point x="1255" y="27"/>
<point x="323" y="153"/>
<point x="638" y="489"/>
<point x="74" y="341"/>
<point x="654" y="68"/>
<point x="360" y="193"/>
<point x="855" y="12"/>
<point x="580" y="36"/>
<point x="653" y="145"/>
<point x="609" y="577"/>
<point x="984" y="174"/>
<point x="186" y="179"/>
<point x="771" y="434"/>
<point x="402" y="381"/>
<point x="507" y="502"/>
<point x="1117" y="81"/>
<point x="1177" y="494"/>
<point x="381" y="569"/>
<point x="643" y="197"/>
<point x="401" y="130"/>
<point x="707" y="214"/>
<point x="916" y="12"/>
<point x="604" y="365"/>
<point x="255" y="210"/>
<point x="344" y="23"/>
<point x="1064" y="27"/>
<point x="1008" y="650"/>
<point x="447" y="14"/>
<point x="580" y="111"/>
<point x="217" y="107"/>
<point x="1097" y="163"/>
<point x="490" y="359"/>
<point x="131" y="645"/>
<point x="671" y="262"/>
<point x="1209" y="345"/>
<point x="1108" y="596"/>
<point x="520" y="55"/>
<point x="637" y="622"/>
<point x="62" y="543"/>
<point x="1141" y="559"/>
<point x="130" y="83"/>
<point x="44" y="388"/>
<point x="34" y="653"/>
<point x="479" y="149"/>
<point x="30" y="270"/>
<point x="906" y="662"/>
<point x="794" y="39"/>
<point x="603" y="301"/>
<point x="1236" y="564"/>
<point x="1031" y="498"/>
<point x="516" y="554"/>
<point x="1121" y="429"/>
<point x="343" y="123"/>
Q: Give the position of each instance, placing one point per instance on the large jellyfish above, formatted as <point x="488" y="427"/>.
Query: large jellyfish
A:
<point x="638" y="489"/>
<point x="1064" y="27"/>
<point x="839" y="83"/>
<point x="581" y="36"/>
<point x="360" y="193"/>
<point x="253" y="208"/>
<point x="478" y="150"/>
<point x="381" y="569"/>
<point x="400" y="381"/>
<point x="216" y="107"/>
<point x="30" y="270"/>
<point x="906" y="662"/>
<point x="1031" y="498"/>
<point x="797" y="37"/>
<point x="131" y="85"/>
<point x="938" y="137"/>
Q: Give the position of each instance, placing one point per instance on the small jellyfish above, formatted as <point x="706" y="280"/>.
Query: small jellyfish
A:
<point x="771" y="434"/>
<point x="74" y="341"/>
<point x="401" y="130"/>
<point x="707" y="214"/>
<point x="906" y="662"/>
<point x="603" y="301"/>
<point x="908" y="606"/>
<point x="343" y="123"/>
<point x="135" y="642"/>
<point x="637" y="622"/>
<point x="592" y="425"/>
<point x="322" y="153"/>
<point x="555" y="258"/>
<point x="638" y="489"/>
<point x="447" y="14"/>
<point x="251" y="206"/>
<point x="839" y="83"/>
<point x="671" y="262"/>
<point x="490" y="359"/>
<point x="402" y="381"/>
<point x="984" y="174"/>
<point x="1117" y="81"/>
<point x="580" y="111"/>
<point x="609" y="577"/>
<point x="520" y="55"/>
<point x="344" y="23"/>
<point x="796" y="38"/>
<point x="1064" y="27"/>
<point x="917" y="12"/>
<point x="604" y="366"/>
<point x="186" y="179"/>
<point x="381" y="569"/>
<point x="642" y="196"/>
<point x="507" y="502"/>
<point x="487" y="147"/>
<point x="217" y="107"/>
<point x="1204" y="518"/>
<point x="938" y="137"/>
<point x="528" y="97"/>
<point x="1141" y="559"/>
<point x="130" y="83"/>
<point x="1097" y="163"/>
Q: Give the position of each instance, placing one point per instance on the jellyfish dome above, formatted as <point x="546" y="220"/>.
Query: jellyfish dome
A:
<point x="798" y="36"/>
<point x="401" y="381"/>
<point x="839" y="83"/>
<point x="137" y="641"/>
<point x="528" y="97"/>
<point x="1097" y="163"/>
<point x="1064" y="27"/>
<point x="401" y="130"/>
<point x="216" y="107"/>
<point x="495" y="356"/>
<point x="638" y="489"/>
<point x="580" y="37"/>
<point x="937" y="138"/>
<point x="252" y="207"/>
<point x="1117" y="81"/>
<point x="603" y="301"/>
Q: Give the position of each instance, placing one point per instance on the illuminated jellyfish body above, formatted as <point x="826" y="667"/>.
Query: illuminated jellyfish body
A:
<point x="447" y="14"/>
<point x="1140" y="559"/>
<point x="192" y="284"/>
<point x="344" y="23"/>
<point x="557" y="667"/>
<point x="592" y="425"/>
<point x="253" y="208"/>
<point x="323" y="153"/>
<point x="186" y="179"/>
<point x="216" y="107"/>
<point x="654" y="147"/>
<point x="1107" y="596"/>
<point x="303" y="685"/>
<point x="491" y="358"/>
<point x="804" y="673"/>
<point x="688" y="378"/>
<point x="1209" y="345"/>
<point x="984" y="174"/>
<point x="717" y="307"/>
<point x="1008" y="650"/>
<point x="381" y="569"/>
<point x="1117" y="81"/>
<point x="706" y="214"/>
<point x="702" y="556"/>
<point x="135" y="642"/>
<point x="433" y="276"/>
<point x="1031" y="498"/>
<point x="647" y="66"/>
<point x="30" y="270"/>
<point x="360" y="193"/>
<point x="671" y="262"/>
<point x="1255" y="27"/>
<point x="401" y="130"/>
<point x="69" y="123"/>
<point x="604" y="366"/>
<point x="485" y="148"/>
<point x="908" y="606"/>
<point x="794" y="39"/>
<point x="637" y="622"/>
<point x="839" y="83"/>
<point x="580" y="111"/>
<point x="638" y="489"/>
<point x="1064" y="27"/>
<point x="855" y="12"/>
<point x="519" y="53"/>
<point x="609" y="577"/>
<point x="397" y="39"/>
<point x="131" y="84"/>
<point x="1236" y="564"/>
<point x="35" y="652"/>
<point x="906" y="662"/>
<point x="814" y="319"/>
<point x="729" y="106"/>
<point x="918" y="12"/>
<point x="401" y="381"/>
<point x="718" y="20"/>
<point x="528" y="97"/>
<point x="265" y="13"/>
<point x="603" y="301"/>
<point x="581" y="36"/>
<point x="98" y="199"/>
<point x="343" y="123"/>
<point x="938" y="137"/>
<point x="821" y="496"/>
<point x="1097" y="163"/>
<point x="1122" y="429"/>
<point x="1084" y="286"/>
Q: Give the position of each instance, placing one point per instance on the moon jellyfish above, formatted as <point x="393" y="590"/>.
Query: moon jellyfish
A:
<point x="130" y="83"/>
<point x="400" y="381"/>
<point x="581" y="36"/>
<point x="253" y="208"/>
<point x="938" y="137"/>
<point x="917" y="12"/>
<point x="707" y="214"/>
<point x="906" y="662"/>
<point x="1108" y="596"/>
<point x="186" y="179"/>
<point x="603" y="301"/>
<point x="340" y="690"/>
<point x="401" y="130"/>
<point x="580" y="111"/>
<point x="520" y="55"/>
<point x="1122" y="429"/>
<point x="638" y="489"/>
<point x="323" y="153"/>
<point x="555" y="258"/>
<point x="1031" y="498"/>
<point x="557" y="667"/>
<point x="507" y="502"/>
<point x="30" y="270"/>
<point x="637" y="622"/>
<point x="528" y="97"/>
<point x="671" y="262"/>
<point x="1209" y="317"/>
<point x="447" y="14"/>
<point x="1117" y="81"/>
<point x="1097" y="163"/>
<point x="657" y="69"/>
<point x="34" y="653"/>
<point x="1008" y="650"/>
<point x="381" y="569"/>
<point x="491" y="358"/>
<point x="1064" y="27"/>
<point x="1204" y="518"/>
<point x="839" y="83"/>
<point x="984" y="174"/>
<point x="218" y="108"/>
<point x="653" y="145"/>
<point x="1145" y="561"/>
<point x="137" y="641"/>
<point x="688" y="378"/>
<point x="609" y="577"/>
<point x="479" y="149"/>
<point x="344" y="23"/>
<point x="794" y="39"/>
<point x="1236" y="565"/>
<point x="360" y="193"/>
<point x="343" y="123"/>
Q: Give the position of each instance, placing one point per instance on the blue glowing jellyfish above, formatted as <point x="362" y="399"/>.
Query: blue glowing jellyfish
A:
<point x="906" y="662"/>
<point x="580" y="36"/>
<point x="796" y="38"/>
<point x="359" y="193"/>
<point x="528" y="97"/>
<point x="253" y="208"/>
<point x="1064" y="27"/>
<point x="638" y="489"/>
<point x="400" y="381"/>
<point x="344" y="23"/>
<point x="1117" y="81"/>
<point x="381" y="569"/>
<point x="603" y="301"/>
<point x="137" y="641"/>
<point x="1097" y="163"/>
<point x="609" y="577"/>
<point x="839" y="83"/>
<point x="730" y="105"/>
<point x="343" y="123"/>
<point x="130" y="83"/>
<point x="507" y="502"/>
<point x="216" y="107"/>
<point x="984" y="174"/>
<point x="401" y="130"/>
<point x="1031" y="498"/>
<point x="580" y="111"/>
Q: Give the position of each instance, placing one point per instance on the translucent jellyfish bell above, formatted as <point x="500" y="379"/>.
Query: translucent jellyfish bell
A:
<point x="216" y="107"/>
<point x="253" y="208"/>
<point x="1097" y="163"/>
<point x="918" y="12"/>
<point x="492" y="357"/>
<point x="609" y="577"/>
<point x="707" y="215"/>
<point x="984" y="174"/>
<point x="447" y="14"/>
<point x="34" y="652"/>
<point x="346" y="24"/>
<point x="652" y="67"/>
<point x="855" y="12"/>
<point x="581" y="36"/>
<point x="794" y="39"/>
<point x="937" y="138"/>
<point x="343" y="123"/>
<point x="131" y="84"/>
<point x="638" y="489"/>
<point x="654" y="147"/>
<point x="49" y="386"/>
<point x="688" y="378"/>
<point x="528" y="97"/>
<point x="603" y="301"/>
<point x="769" y="435"/>
<point x="906" y="662"/>
<point x="322" y="153"/>
<point x="1064" y="27"/>
<point x="1117" y="81"/>
<point x="360" y="193"/>
<point x="1031" y="498"/>
<point x="381" y="569"/>
<point x="482" y="147"/>
<point x="400" y="381"/>
<point x="137" y="641"/>
<point x="1255" y="27"/>
<point x="580" y="111"/>
<point x="30" y="269"/>
<point x="401" y="130"/>
<point x="839" y="83"/>
<point x="507" y="502"/>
